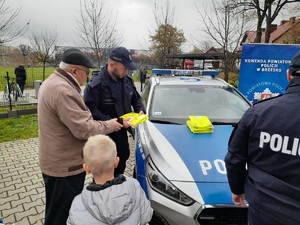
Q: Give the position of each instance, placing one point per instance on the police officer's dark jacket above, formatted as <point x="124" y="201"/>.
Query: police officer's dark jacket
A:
<point x="20" y="74"/>
<point x="99" y="96"/>
<point x="267" y="139"/>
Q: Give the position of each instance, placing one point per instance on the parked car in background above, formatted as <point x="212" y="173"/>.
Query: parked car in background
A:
<point x="183" y="173"/>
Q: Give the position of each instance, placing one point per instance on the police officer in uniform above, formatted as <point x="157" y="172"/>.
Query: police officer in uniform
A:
<point x="267" y="140"/>
<point x="111" y="94"/>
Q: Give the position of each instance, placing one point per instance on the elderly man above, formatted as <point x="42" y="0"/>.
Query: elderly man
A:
<point x="65" y="123"/>
<point x="267" y="140"/>
<point x="111" y="94"/>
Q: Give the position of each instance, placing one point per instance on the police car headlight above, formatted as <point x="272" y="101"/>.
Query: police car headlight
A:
<point x="160" y="184"/>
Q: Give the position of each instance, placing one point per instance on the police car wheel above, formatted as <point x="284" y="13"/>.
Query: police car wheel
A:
<point x="157" y="219"/>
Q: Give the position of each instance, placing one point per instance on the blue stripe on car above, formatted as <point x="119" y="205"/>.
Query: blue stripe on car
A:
<point x="203" y="155"/>
<point x="140" y="163"/>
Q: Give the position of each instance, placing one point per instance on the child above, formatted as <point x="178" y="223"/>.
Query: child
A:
<point x="108" y="200"/>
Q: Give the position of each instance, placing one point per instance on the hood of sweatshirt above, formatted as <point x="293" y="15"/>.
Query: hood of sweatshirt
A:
<point x="113" y="204"/>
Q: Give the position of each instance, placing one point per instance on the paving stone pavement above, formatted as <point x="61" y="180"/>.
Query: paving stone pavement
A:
<point x="22" y="193"/>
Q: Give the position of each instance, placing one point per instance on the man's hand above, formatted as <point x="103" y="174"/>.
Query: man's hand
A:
<point x="126" y="123"/>
<point x="239" y="200"/>
<point x="141" y="112"/>
<point x="117" y="126"/>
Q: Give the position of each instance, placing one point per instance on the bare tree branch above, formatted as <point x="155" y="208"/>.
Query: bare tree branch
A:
<point x="167" y="38"/>
<point x="226" y="27"/>
<point x="267" y="10"/>
<point x="24" y="50"/>
<point x="42" y="45"/>
<point x="97" y="28"/>
<point x="9" y="31"/>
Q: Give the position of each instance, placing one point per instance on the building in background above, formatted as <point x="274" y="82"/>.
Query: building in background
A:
<point x="287" y="32"/>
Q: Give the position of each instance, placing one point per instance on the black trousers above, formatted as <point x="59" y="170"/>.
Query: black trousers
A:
<point x="121" y="140"/>
<point x="60" y="192"/>
<point x="21" y="85"/>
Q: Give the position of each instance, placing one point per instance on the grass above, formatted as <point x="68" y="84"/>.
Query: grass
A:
<point x="36" y="73"/>
<point x="33" y="73"/>
<point x="22" y="127"/>
<point x="18" y="107"/>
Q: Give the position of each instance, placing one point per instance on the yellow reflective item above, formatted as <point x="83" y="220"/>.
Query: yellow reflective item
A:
<point x="199" y="124"/>
<point x="135" y="118"/>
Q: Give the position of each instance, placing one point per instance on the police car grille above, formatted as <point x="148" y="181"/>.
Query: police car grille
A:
<point x="223" y="216"/>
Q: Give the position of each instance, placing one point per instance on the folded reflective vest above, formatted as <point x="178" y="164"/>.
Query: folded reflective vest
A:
<point x="199" y="124"/>
<point x="135" y="118"/>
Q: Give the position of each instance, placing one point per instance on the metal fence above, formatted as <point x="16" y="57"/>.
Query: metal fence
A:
<point x="28" y="85"/>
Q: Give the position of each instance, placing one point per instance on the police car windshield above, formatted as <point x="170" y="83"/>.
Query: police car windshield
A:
<point x="174" y="103"/>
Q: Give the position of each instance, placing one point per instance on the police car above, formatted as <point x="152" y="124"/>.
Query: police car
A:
<point x="182" y="173"/>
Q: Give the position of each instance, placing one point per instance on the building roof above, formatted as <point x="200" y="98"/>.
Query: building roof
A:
<point x="249" y="36"/>
<point x="286" y="26"/>
<point x="213" y="49"/>
<point x="277" y="32"/>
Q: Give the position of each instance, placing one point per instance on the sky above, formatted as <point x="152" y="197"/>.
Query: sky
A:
<point x="135" y="19"/>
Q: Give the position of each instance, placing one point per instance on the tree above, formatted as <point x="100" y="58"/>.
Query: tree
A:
<point x="272" y="13"/>
<point x="266" y="10"/>
<point x="196" y="50"/>
<point x="226" y="28"/>
<point x="201" y="44"/>
<point x="143" y="58"/>
<point x="9" y="31"/>
<point x="24" y="50"/>
<point x="167" y="38"/>
<point x="42" y="45"/>
<point x="260" y="9"/>
<point x="97" y="28"/>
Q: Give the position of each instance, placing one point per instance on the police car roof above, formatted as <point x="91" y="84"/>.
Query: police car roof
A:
<point x="188" y="80"/>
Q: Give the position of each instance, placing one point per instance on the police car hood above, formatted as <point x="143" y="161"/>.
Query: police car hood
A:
<point x="185" y="158"/>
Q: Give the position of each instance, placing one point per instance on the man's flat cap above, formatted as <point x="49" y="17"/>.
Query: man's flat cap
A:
<point x="76" y="57"/>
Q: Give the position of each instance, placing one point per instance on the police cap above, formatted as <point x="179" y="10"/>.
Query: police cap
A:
<point x="295" y="65"/>
<point x="122" y="55"/>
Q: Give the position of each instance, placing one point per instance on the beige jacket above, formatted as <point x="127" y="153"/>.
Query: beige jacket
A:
<point x="65" y="123"/>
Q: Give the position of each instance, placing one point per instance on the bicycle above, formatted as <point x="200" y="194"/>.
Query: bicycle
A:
<point x="13" y="90"/>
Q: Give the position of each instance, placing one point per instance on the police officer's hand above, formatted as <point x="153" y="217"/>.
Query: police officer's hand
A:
<point x="239" y="200"/>
<point x="117" y="126"/>
<point x="141" y="112"/>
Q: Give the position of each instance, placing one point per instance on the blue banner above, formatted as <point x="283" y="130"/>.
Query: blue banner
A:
<point x="263" y="70"/>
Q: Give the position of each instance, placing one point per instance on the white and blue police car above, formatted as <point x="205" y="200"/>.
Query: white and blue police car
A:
<point x="183" y="174"/>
